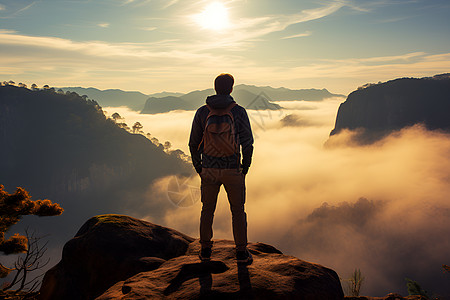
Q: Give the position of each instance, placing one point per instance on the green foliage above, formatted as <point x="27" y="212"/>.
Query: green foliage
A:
<point x="354" y="283"/>
<point x="414" y="288"/>
<point x="12" y="208"/>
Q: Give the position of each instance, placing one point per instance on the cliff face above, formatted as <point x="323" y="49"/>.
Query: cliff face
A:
<point x="119" y="257"/>
<point x="383" y="108"/>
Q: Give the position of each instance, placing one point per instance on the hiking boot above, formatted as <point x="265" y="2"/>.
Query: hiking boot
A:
<point x="244" y="257"/>
<point x="205" y="254"/>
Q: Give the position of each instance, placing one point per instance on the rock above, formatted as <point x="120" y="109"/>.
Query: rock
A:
<point x="107" y="249"/>
<point x="382" y="108"/>
<point x="391" y="296"/>
<point x="154" y="262"/>
<point x="271" y="276"/>
<point x="15" y="295"/>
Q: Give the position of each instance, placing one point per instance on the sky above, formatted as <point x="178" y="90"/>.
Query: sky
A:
<point x="181" y="45"/>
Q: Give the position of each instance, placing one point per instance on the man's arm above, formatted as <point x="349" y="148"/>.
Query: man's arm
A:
<point x="195" y="140"/>
<point x="246" y="141"/>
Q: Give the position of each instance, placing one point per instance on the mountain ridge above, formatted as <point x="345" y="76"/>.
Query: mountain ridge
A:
<point x="136" y="100"/>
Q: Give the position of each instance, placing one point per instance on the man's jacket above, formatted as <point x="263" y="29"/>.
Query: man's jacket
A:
<point x="243" y="132"/>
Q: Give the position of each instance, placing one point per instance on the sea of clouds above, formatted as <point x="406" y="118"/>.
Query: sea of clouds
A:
<point x="383" y="208"/>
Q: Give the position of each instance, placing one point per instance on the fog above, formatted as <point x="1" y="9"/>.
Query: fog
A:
<point x="382" y="208"/>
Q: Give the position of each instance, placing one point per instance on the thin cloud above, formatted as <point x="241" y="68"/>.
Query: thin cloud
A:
<point x="18" y="11"/>
<point x="394" y="20"/>
<point x="103" y="25"/>
<point x="95" y="48"/>
<point x="305" y="34"/>
<point x="169" y="4"/>
<point x="26" y="7"/>
<point x="162" y="62"/>
<point x="149" y="28"/>
<point x="245" y="31"/>
<point x="316" y="13"/>
<point x="136" y="2"/>
<point x="402" y="57"/>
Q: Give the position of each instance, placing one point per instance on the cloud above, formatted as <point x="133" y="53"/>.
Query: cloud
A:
<point x="168" y="4"/>
<point x="15" y="8"/>
<point x="305" y="34"/>
<point x="103" y="25"/>
<point x="294" y="120"/>
<point x="25" y="8"/>
<point x="379" y="59"/>
<point x="149" y="28"/>
<point x="136" y="2"/>
<point x="132" y="66"/>
<point x="62" y="61"/>
<point x="245" y="30"/>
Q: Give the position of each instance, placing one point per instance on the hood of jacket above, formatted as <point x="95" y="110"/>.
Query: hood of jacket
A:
<point x="219" y="101"/>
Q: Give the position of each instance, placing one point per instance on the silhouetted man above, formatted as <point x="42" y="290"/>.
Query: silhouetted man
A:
<point x="220" y="130"/>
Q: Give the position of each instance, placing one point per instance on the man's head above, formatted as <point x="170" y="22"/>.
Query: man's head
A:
<point x="224" y="84"/>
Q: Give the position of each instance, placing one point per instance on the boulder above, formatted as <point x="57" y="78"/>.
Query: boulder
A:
<point x="107" y="249"/>
<point x="118" y="257"/>
<point x="271" y="276"/>
<point x="391" y="296"/>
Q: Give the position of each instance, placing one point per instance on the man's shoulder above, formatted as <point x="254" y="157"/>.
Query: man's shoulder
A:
<point x="239" y="109"/>
<point x="202" y="109"/>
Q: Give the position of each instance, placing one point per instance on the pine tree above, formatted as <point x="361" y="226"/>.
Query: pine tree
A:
<point x="12" y="208"/>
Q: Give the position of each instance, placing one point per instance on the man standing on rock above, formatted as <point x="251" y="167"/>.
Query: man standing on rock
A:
<point x="220" y="130"/>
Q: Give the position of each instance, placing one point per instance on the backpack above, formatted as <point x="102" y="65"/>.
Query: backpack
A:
<point x="219" y="137"/>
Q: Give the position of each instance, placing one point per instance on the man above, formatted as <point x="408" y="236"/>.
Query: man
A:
<point x="218" y="165"/>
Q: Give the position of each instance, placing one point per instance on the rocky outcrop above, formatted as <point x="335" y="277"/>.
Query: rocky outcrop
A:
<point x="391" y="296"/>
<point x="119" y="257"/>
<point x="382" y="108"/>
<point x="107" y="249"/>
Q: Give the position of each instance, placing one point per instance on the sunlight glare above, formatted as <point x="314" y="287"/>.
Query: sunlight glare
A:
<point x="214" y="17"/>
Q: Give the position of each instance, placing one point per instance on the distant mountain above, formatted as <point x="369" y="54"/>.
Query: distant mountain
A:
<point x="379" y="109"/>
<point x="165" y="94"/>
<point x="112" y="97"/>
<point x="155" y="105"/>
<point x="62" y="147"/>
<point x="284" y="94"/>
<point x="249" y="96"/>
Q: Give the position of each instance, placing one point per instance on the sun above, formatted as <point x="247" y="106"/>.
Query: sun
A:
<point x="213" y="17"/>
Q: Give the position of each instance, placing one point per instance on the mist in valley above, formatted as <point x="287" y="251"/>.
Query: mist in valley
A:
<point x="382" y="207"/>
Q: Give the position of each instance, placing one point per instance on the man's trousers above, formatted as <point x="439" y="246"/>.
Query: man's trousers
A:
<point x="234" y="182"/>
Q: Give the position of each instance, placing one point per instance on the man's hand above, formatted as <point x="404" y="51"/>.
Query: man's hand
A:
<point x="245" y="170"/>
<point x="198" y="169"/>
